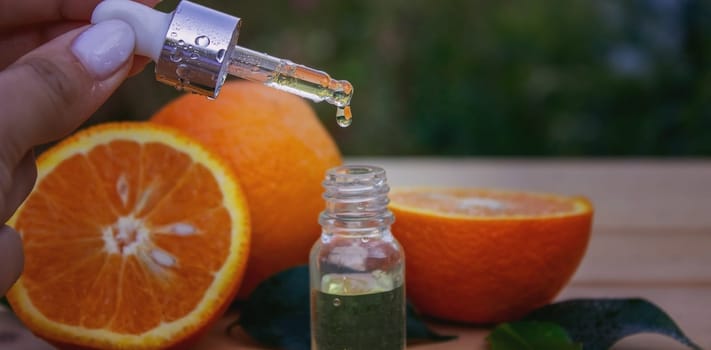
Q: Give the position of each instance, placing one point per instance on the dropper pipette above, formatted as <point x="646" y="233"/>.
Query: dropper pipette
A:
<point x="195" y="47"/>
<point x="290" y="77"/>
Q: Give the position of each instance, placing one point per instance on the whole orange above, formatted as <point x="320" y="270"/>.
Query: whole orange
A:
<point x="486" y="256"/>
<point x="279" y="150"/>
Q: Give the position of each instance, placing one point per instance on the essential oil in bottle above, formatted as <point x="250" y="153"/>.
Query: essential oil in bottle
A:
<point x="367" y="318"/>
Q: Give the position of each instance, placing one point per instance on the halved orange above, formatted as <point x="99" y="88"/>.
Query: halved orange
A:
<point x="485" y="256"/>
<point x="135" y="237"/>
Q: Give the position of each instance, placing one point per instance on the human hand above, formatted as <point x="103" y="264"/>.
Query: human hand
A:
<point x="55" y="71"/>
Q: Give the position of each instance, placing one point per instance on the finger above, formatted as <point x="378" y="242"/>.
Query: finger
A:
<point x="15" y="13"/>
<point x="16" y="42"/>
<point x="23" y="179"/>
<point x="21" y="13"/>
<point x="53" y="89"/>
<point x="19" y="42"/>
<point x="11" y="258"/>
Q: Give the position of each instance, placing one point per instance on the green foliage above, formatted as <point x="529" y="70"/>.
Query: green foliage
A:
<point x="554" y="77"/>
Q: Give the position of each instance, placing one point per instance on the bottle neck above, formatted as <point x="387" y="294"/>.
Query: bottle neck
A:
<point x="356" y="202"/>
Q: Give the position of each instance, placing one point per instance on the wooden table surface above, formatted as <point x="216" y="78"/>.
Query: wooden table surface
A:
<point x="651" y="237"/>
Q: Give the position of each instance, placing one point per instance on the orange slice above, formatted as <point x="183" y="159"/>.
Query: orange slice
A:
<point x="135" y="237"/>
<point x="485" y="256"/>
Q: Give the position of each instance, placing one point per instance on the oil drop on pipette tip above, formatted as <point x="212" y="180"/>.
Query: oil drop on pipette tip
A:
<point x="343" y="116"/>
<point x="195" y="48"/>
<point x="293" y="78"/>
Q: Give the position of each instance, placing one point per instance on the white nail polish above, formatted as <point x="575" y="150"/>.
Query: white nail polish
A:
<point x="105" y="47"/>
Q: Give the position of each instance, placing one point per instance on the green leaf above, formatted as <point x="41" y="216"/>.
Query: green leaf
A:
<point x="530" y="335"/>
<point x="277" y="313"/>
<point x="600" y="323"/>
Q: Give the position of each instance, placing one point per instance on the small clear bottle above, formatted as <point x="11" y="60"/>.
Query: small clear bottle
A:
<point x="357" y="267"/>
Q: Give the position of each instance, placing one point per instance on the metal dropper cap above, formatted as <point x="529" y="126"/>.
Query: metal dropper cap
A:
<point x="196" y="43"/>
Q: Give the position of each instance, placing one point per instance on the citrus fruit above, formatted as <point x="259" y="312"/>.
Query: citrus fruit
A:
<point x="485" y="256"/>
<point x="279" y="150"/>
<point x="135" y="237"/>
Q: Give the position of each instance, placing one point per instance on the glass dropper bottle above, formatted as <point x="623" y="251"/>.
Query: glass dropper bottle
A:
<point x="195" y="48"/>
<point x="357" y="267"/>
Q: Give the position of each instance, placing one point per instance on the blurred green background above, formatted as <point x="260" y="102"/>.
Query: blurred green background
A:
<point x="489" y="78"/>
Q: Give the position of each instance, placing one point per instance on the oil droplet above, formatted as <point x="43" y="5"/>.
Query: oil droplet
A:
<point x="364" y="239"/>
<point x="194" y="56"/>
<point x="336" y="302"/>
<point x="175" y="57"/>
<point x="181" y="42"/>
<point x="220" y="55"/>
<point x="173" y="34"/>
<point x="182" y="70"/>
<point x="202" y="40"/>
<point x="344" y="118"/>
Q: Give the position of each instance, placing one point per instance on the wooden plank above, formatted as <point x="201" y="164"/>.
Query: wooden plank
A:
<point x="647" y="256"/>
<point x="636" y="193"/>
